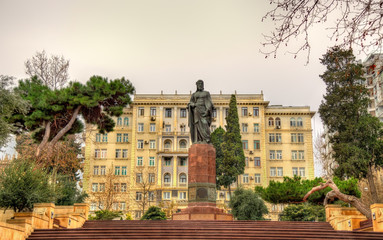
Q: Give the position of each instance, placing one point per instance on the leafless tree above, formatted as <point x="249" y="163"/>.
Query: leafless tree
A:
<point x="145" y="181"/>
<point x="358" y="23"/>
<point x="108" y="192"/>
<point x="53" y="70"/>
<point x="323" y="154"/>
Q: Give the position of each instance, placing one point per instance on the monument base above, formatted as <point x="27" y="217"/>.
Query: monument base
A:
<point x="202" y="213"/>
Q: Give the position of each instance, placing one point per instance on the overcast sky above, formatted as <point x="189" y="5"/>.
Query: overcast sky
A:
<point x="164" y="45"/>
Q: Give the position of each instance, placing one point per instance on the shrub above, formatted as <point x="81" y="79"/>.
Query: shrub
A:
<point x="154" y="213"/>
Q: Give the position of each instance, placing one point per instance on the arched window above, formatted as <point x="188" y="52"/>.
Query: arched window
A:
<point x="183" y="178"/>
<point x="168" y="144"/>
<point x="183" y="144"/>
<point x="271" y="121"/>
<point x="119" y="121"/>
<point x="292" y="122"/>
<point x="167" y="178"/>
<point x="299" y="122"/>
<point x="126" y="121"/>
<point x="277" y="122"/>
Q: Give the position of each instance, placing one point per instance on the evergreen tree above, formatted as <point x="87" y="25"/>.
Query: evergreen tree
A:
<point x="233" y="156"/>
<point x="246" y="205"/>
<point x="303" y="212"/>
<point x="355" y="135"/>
<point x="154" y="213"/>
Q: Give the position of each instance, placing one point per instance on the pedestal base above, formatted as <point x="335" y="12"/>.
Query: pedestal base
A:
<point x="202" y="213"/>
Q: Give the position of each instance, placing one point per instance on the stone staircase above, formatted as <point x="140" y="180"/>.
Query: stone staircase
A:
<point x="201" y="230"/>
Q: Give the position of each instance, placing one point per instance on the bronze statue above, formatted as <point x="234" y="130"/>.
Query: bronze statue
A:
<point x="200" y="110"/>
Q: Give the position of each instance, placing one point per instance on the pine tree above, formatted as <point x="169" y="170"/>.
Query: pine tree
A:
<point x="233" y="156"/>
<point x="217" y="138"/>
<point x="355" y="135"/>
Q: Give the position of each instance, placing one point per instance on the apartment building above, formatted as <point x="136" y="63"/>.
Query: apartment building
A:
<point x="374" y="82"/>
<point x="144" y="161"/>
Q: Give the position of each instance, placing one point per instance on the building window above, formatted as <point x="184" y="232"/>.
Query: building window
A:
<point x="214" y="113"/>
<point x="153" y="111"/>
<point x="123" y="171"/>
<point x="183" y="144"/>
<point x="168" y="112"/>
<point x="168" y="161"/>
<point x="280" y="172"/>
<point x="95" y="170"/>
<point x="226" y="112"/>
<point x="105" y="137"/>
<point x="271" y="137"/>
<point x="117" y="170"/>
<point x="152" y="144"/>
<point x="126" y="121"/>
<point x="183" y="113"/>
<point x="294" y="155"/>
<point x="118" y="153"/>
<point x="152" y="127"/>
<point x="168" y="144"/>
<point x="139" y="161"/>
<point x="295" y="171"/>
<point x="119" y="137"/>
<point x="168" y="128"/>
<point x="278" y="122"/>
<point x="245" y="145"/>
<point x="272" y="154"/>
<point x="245" y="178"/>
<point x="152" y="178"/>
<point x="102" y="187"/>
<point x="119" y="121"/>
<point x="182" y="195"/>
<point x="278" y="137"/>
<point x="278" y="154"/>
<point x="93" y="206"/>
<point x="138" y="198"/>
<point x="257" y="144"/>
<point x="244" y="111"/>
<point x="124" y="153"/>
<point x="271" y="122"/>
<point x="183" y="178"/>
<point x="125" y="137"/>
<point x="141" y="111"/>
<point x="98" y="137"/>
<point x="123" y="187"/>
<point x="294" y="138"/>
<point x="273" y="172"/>
<point x="256" y="127"/>
<point x="151" y="161"/>
<point x="151" y="196"/>
<point x="302" y="172"/>
<point x="97" y="153"/>
<point x="244" y="127"/>
<point x="246" y="161"/>
<point x="123" y="206"/>
<point x="257" y="161"/>
<point x="140" y="144"/>
<point x="140" y="127"/>
<point x="300" y="138"/>
<point x="94" y="187"/>
<point x="103" y="153"/>
<point x="166" y="195"/>
<point x="301" y="155"/>
<point x="299" y="122"/>
<point x="257" y="178"/>
<point x="255" y="111"/>
<point x="183" y="161"/>
<point x="103" y="170"/>
<point x="292" y="122"/>
<point x="139" y="178"/>
<point x="138" y="214"/>
<point x="167" y="178"/>
<point x="116" y="187"/>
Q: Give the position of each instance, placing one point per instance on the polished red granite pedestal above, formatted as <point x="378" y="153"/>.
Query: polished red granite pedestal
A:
<point x="201" y="186"/>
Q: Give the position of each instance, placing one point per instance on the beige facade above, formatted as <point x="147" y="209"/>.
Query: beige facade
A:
<point x="147" y="152"/>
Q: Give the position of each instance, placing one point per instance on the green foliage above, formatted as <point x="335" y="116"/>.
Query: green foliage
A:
<point x="22" y="184"/>
<point x="233" y="163"/>
<point x="355" y="135"/>
<point x="217" y="138"/>
<point x="154" y="213"/>
<point x="10" y="103"/>
<point x="303" y="212"/>
<point x="128" y="216"/>
<point x="68" y="193"/>
<point x="246" y="205"/>
<point x="292" y="190"/>
<point x="105" y="215"/>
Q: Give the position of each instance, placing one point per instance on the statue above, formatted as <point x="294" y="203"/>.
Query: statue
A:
<point x="200" y="110"/>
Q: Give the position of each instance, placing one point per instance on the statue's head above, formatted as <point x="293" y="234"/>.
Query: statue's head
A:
<point x="199" y="85"/>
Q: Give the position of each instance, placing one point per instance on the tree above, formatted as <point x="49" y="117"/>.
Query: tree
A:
<point x="23" y="183"/>
<point x="233" y="156"/>
<point x="53" y="71"/>
<point x="303" y="212"/>
<point x="358" y="23"/>
<point x="154" y="213"/>
<point x="105" y="215"/>
<point x="10" y="102"/>
<point x="145" y="185"/>
<point x="67" y="192"/>
<point x="246" y="205"/>
<point x="55" y="113"/>
<point x="355" y="136"/>
<point x="323" y="154"/>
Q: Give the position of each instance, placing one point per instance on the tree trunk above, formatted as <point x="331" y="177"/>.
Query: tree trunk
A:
<point x="335" y="193"/>
<point x="62" y="132"/>
<point x="371" y="184"/>
<point x="45" y="138"/>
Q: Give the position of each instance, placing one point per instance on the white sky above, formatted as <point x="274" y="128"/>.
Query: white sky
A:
<point x="163" y="45"/>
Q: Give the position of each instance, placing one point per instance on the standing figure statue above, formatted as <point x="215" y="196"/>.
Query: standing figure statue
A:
<point x="200" y="110"/>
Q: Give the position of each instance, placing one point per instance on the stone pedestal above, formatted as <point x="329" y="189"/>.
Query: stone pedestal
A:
<point x="202" y="186"/>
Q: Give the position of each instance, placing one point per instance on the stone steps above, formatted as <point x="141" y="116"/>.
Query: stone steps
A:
<point x="201" y="230"/>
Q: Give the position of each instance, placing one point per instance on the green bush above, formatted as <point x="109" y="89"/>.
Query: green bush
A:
<point x="154" y="213"/>
<point x="303" y="212"/>
<point x="246" y="205"/>
<point x="105" y="215"/>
